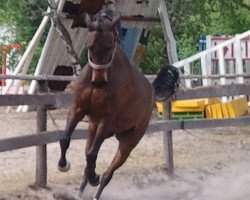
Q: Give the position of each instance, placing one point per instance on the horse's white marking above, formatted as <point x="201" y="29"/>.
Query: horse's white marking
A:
<point x="64" y="169"/>
<point x="78" y="195"/>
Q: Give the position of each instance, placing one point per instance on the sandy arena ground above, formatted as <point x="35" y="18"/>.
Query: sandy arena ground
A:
<point x="210" y="164"/>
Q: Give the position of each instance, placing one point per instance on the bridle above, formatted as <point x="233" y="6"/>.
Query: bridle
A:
<point x="105" y="66"/>
<point x="116" y="43"/>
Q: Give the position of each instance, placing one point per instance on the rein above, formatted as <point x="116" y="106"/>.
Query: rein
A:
<point x="105" y="66"/>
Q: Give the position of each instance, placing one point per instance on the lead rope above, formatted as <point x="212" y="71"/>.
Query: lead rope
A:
<point x="54" y="123"/>
<point x="56" y="21"/>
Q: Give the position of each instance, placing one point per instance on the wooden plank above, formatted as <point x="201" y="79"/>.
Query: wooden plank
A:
<point x="187" y="70"/>
<point x="38" y="78"/>
<point x="214" y="76"/>
<point x="54" y="136"/>
<point x="168" y="142"/>
<point x="238" y="59"/>
<point x="213" y="91"/>
<point x="65" y="99"/>
<point x="41" y="151"/>
<point x="222" y="67"/>
<point x="35" y="99"/>
<point x="60" y="99"/>
<point x="198" y="124"/>
<point x="149" y="77"/>
<point x="30" y="140"/>
<point x="204" y="70"/>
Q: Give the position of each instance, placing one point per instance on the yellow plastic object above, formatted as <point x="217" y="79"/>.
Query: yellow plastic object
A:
<point x="160" y="107"/>
<point x="208" y="112"/>
<point x="211" y="101"/>
<point x="214" y="111"/>
<point x="218" y="111"/>
<point x="187" y="109"/>
<point x="237" y="107"/>
<point x="194" y="103"/>
<point x="224" y="110"/>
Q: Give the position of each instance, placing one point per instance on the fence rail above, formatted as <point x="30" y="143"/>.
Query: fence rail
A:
<point x="149" y="77"/>
<point x="205" y="58"/>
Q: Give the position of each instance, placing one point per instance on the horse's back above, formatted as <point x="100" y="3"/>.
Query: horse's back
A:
<point x="134" y="94"/>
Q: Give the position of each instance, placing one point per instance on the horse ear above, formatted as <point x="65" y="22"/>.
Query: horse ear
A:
<point x="111" y="25"/>
<point x="89" y="22"/>
<point x="115" y="21"/>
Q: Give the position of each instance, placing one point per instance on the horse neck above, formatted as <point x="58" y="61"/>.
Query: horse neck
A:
<point x="121" y="69"/>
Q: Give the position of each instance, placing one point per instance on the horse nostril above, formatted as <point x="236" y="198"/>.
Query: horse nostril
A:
<point x="99" y="83"/>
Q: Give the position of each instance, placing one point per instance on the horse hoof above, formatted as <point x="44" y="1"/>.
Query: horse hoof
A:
<point x="95" y="182"/>
<point x="64" y="169"/>
<point x="78" y="195"/>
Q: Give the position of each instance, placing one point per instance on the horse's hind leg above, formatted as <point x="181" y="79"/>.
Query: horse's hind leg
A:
<point x="94" y="143"/>
<point x="74" y="116"/>
<point x="126" y="145"/>
<point x="96" y="136"/>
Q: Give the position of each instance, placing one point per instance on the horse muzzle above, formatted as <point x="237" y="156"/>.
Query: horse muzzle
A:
<point x="99" y="77"/>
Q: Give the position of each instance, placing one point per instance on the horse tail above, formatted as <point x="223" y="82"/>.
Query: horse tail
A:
<point x="166" y="82"/>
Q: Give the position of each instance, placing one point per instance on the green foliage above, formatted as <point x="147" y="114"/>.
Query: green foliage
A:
<point x="154" y="54"/>
<point x="189" y="19"/>
<point x="192" y="18"/>
<point x="25" y="16"/>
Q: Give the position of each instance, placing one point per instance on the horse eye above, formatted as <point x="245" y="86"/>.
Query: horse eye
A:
<point x="88" y="46"/>
<point x="108" y="48"/>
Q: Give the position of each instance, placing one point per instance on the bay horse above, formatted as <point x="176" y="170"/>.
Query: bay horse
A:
<point x="115" y="96"/>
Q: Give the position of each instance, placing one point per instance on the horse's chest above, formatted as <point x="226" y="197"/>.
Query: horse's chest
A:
<point x="98" y="103"/>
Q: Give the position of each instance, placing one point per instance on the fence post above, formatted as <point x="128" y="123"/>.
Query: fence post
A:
<point x="41" y="151"/>
<point x="168" y="141"/>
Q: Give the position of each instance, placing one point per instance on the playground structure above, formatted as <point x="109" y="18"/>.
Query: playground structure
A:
<point x="137" y="18"/>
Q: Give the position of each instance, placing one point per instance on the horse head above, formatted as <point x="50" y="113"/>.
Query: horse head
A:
<point x="102" y="44"/>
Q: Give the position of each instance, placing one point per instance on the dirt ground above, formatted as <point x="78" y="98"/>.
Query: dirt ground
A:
<point x="209" y="164"/>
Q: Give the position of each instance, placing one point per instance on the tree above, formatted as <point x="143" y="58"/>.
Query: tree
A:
<point x="191" y="18"/>
<point x="155" y="53"/>
<point x="24" y="16"/>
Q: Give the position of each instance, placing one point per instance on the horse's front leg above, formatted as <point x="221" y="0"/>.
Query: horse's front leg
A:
<point x="75" y="115"/>
<point x="92" y="128"/>
<point x="95" y="138"/>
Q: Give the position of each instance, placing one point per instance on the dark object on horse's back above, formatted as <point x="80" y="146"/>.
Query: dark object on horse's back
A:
<point x="166" y="82"/>
<point x="71" y="8"/>
<point x="91" y="6"/>
<point x="56" y="86"/>
<point x="77" y="11"/>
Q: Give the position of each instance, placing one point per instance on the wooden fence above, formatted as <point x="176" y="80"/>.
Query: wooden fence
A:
<point x="44" y="99"/>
